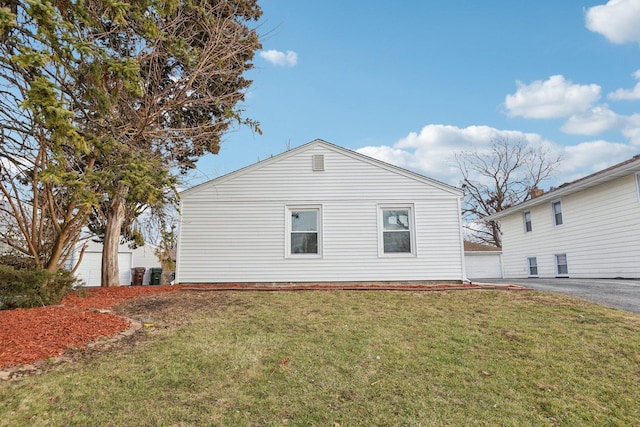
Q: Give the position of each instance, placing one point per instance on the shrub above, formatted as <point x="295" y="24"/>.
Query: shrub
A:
<point x="32" y="287"/>
<point x="16" y="261"/>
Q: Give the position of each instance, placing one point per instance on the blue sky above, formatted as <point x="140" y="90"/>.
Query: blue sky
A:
<point x="413" y="82"/>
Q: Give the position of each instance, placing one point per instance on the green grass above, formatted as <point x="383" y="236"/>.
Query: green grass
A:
<point x="354" y="358"/>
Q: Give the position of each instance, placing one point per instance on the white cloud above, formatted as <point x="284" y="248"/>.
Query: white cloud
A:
<point x="588" y="157"/>
<point x="632" y="130"/>
<point x="431" y="152"/>
<point x="627" y="94"/>
<point x="393" y="155"/>
<point x="276" y="57"/>
<point x="555" y="97"/>
<point x="597" y="120"/>
<point x="617" y="20"/>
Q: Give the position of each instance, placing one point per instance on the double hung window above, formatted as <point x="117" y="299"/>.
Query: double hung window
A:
<point x="533" y="266"/>
<point x="556" y="207"/>
<point x="396" y="224"/>
<point x="527" y="222"/>
<point x="304" y="229"/>
<point x="562" y="267"/>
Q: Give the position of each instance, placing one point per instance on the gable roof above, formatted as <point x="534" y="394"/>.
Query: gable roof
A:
<point x="324" y="144"/>
<point x="627" y="167"/>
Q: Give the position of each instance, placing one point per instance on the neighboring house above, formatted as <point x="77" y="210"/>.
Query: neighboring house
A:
<point x="482" y="261"/>
<point x="589" y="228"/>
<point x="320" y="213"/>
<point x="90" y="269"/>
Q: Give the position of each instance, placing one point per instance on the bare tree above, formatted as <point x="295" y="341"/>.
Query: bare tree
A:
<point x="507" y="173"/>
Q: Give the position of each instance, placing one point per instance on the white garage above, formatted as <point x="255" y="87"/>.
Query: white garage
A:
<point x="89" y="269"/>
<point x="482" y="261"/>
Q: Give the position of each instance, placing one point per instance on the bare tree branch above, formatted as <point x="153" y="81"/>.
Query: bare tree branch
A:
<point x="498" y="178"/>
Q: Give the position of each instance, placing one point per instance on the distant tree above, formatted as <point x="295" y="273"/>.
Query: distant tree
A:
<point x="507" y="173"/>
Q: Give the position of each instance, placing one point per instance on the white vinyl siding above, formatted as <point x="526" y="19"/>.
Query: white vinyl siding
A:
<point x="224" y="218"/>
<point x="600" y="234"/>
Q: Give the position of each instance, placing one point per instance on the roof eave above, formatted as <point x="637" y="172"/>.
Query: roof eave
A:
<point x="579" y="185"/>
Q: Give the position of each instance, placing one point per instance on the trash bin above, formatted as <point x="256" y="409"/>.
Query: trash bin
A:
<point x="156" y="276"/>
<point x="137" y="276"/>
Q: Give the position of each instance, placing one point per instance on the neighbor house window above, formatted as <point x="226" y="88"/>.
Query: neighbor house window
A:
<point x="304" y="230"/>
<point x="533" y="266"/>
<point x="527" y="222"/>
<point x="556" y="207"/>
<point x="562" y="268"/>
<point x="396" y="230"/>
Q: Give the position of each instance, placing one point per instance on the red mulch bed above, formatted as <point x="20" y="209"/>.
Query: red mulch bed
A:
<point x="29" y="335"/>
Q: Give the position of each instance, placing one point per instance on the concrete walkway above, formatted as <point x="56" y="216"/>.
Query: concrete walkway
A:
<point x="616" y="293"/>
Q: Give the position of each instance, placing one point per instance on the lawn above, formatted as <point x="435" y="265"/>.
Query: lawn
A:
<point x="349" y="358"/>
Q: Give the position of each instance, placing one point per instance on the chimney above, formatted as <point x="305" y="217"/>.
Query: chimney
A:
<point x="535" y="192"/>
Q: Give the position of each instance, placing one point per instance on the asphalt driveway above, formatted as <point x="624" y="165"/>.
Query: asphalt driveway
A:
<point x="616" y="293"/>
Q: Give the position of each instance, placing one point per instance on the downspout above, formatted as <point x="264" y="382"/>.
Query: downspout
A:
<point x="178" y="246"/>
<point x="464" y="269"/>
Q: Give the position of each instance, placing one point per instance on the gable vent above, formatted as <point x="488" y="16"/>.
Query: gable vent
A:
<point x="317" y="162"/>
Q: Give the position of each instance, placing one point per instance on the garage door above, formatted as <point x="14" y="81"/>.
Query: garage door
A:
<point x="90" y="269"/>
<point x="483" y="266"/>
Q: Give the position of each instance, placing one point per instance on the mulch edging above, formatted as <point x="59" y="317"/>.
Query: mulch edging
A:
<point x="36" y="339"/>
<point x="17" y="372"/>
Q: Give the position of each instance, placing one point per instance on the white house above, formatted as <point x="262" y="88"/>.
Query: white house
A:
<point x="482" y="261"/>
<point x="320" y="213"/>
<point x="589" y="228"/>
<point x="90" y="270"/>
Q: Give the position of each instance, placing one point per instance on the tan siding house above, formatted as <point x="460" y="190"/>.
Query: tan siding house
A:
<point x="320" y="213"/>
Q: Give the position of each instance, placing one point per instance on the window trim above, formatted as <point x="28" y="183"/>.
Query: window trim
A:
<point x="529" y="266"/>
<point x="638" y="185"/>
<point x="528" y="229"/>
<point x="412" y="230"/>
<point x="287" y="233"/>
<point x="557" y="265"/>
<point x="553" y="213"/>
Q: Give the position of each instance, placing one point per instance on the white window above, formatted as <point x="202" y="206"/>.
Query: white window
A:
<point x="304" y="231"/>
<point x="562" y="268"/>
<point x="533" y="266"/>
<point x="527" y="222"/>
<point x="556" y="208"/>
<point x="396" y="225"/>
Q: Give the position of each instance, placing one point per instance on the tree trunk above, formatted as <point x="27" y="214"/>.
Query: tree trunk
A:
<point x="115" y="217"/>
<point x="495" y="232"/>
